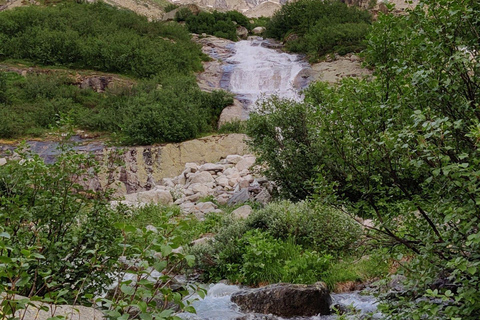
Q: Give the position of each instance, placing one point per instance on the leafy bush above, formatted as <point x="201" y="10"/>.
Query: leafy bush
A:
<point x="97" y="36"/>
<point x="46" y="210"/>
<point x="317" y="27"/>
<point x="254" y="257"/>
<point x="172" y="110"/>
<point x="279" y="243"/>
<point x="219" y="24"/>
<point x="321" y="228"/>
<point x="282" y="137"/>
<point x="235" y="126"/>
<point x="59" y="243"/>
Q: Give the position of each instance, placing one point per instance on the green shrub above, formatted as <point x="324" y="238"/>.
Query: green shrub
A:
<point x="219" y="24"/>
<point x="170" y="7"/>
<point x="403" y="147"/>
<point x="235" y="126"/>
<point x="281" y="242"/>
<point x="318" y="27"/>
<point x="97" y="36"/>
<point x="282" y="136"/>
<point x="321" y="228"/>
<point x="254" y="257"/>
<point x="59" y="242"/>
<point x="46" y="210"/>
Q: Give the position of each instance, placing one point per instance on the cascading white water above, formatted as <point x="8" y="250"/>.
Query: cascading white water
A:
<point x="260" y="72"/>
<point x="217" y="306"/>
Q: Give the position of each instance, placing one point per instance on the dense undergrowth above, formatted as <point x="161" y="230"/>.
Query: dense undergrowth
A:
<point x="286" y="242"/>
<point x="218" y="24"/>
<point x="63" y="243"/>
<point x="161" y="103"/>
<point x="317" y="27"/>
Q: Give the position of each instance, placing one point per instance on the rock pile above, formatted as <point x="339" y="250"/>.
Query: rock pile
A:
<point x="229" y="181"/>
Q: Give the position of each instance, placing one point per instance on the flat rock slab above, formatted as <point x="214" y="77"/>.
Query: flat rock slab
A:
<point x="286" y="300"/>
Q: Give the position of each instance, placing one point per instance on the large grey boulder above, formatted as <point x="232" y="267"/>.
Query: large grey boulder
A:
<point x="286" y="300"/>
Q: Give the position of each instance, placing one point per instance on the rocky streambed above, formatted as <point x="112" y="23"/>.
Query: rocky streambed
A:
<point x="218" y="305"/>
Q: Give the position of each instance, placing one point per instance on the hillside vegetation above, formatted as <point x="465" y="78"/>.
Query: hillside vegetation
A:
<point x="316" y="27"/>
<point x="164" y="105"/>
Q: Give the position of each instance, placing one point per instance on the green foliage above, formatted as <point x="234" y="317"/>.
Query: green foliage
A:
<point x="157" y="110"/>
<point x="279" y="243"/>
<point x="219" y="24"/>
<point x="55" y="225"/>
<point x="403" y="148"/>
<point x="165" y="106"/>
<point x="283" y="137"/>
<point x="3" y="88"/>
<point x="59" y="243"/>
<point x="97" y="36"/>
<point x="321" y="228"/>
<point x="253" y="257"/>
<point x="235" y="126"/>
<point x="170" y="7"/>
<point x="317" y="27"/>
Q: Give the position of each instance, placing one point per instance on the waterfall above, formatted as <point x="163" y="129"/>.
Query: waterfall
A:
<point x="259" y="72"/>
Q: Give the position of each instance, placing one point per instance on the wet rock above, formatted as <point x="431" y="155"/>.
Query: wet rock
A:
<point x="286" y="300"/>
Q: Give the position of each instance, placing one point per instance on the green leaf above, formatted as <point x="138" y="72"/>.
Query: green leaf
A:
<point x="4" y="235"/>
<point x="127" y="289"/>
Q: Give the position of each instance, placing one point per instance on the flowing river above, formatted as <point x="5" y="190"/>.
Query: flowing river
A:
<point x="257" y="71"/>
<point x="217" y="306"/>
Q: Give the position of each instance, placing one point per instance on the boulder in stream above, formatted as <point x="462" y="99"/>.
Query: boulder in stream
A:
<point x="286" y="300"/>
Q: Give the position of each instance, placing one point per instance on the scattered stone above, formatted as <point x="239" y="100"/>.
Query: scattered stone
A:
<point x="245" y="163"/>
<point x="210" y="179"/>
<point x="3" y="161"/>
<point x="234" y="158"/>
<point x="211" y="167"/>
<point x="205" y="207"/>
<point x="202" y="177"/>
<point x="155" y="196"/>
<point x="239" y="197"/>
<point x="258" y="30"/>
<point x="242" y="213"/>
<point x="263" y="197"/>
<point x="286" y="300"/>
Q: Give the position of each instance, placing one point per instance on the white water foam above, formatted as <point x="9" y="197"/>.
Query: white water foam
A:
<point x="260" y="72"/>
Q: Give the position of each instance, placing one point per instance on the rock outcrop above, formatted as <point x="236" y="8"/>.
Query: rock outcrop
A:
<point x="286" y="300"/>
<point x="135" y="169"/>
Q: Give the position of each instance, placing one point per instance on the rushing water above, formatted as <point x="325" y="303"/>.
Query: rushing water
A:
<point x="217" y="305"/>
<point x="259" y="72"/>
